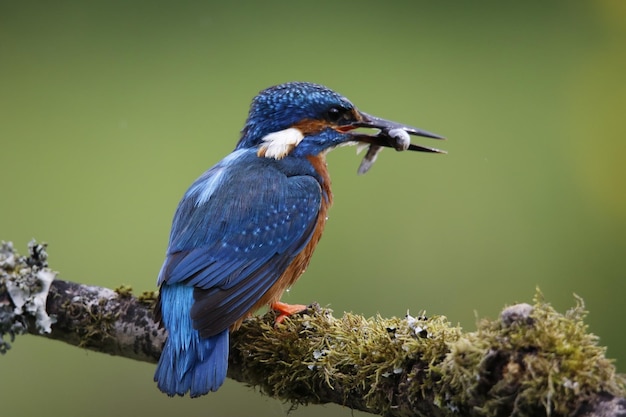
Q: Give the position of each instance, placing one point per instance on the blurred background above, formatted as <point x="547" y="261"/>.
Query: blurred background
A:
<point x="109" y="110"/>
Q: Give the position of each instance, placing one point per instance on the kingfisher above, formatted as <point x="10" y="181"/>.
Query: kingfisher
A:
<point x="246" y="229"/>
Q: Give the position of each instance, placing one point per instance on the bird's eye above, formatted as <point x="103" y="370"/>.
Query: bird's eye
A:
<point x="335" y="114"/>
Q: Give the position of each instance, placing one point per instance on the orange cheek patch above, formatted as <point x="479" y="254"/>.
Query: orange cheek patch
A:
<point x="310" y="126"/>
<point x="344" y="129"/>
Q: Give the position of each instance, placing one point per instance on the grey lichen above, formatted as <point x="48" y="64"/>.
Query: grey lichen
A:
<point x="91" y="317"/>
<point x="34" y="303"/>
<point x="27" y="281"/>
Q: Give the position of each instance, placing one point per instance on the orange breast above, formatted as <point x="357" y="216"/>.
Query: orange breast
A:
<point x="301" y="261"/>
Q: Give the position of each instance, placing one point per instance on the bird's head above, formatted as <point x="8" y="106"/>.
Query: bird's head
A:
<point x="301" y="119"/>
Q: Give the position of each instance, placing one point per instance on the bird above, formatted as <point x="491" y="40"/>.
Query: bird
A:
<point x="246" y="229"/>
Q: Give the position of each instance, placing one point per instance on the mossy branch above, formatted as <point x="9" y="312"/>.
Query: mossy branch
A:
<point x="531" y="361"/>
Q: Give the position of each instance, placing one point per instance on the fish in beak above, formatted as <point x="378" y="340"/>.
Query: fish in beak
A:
<point x="390" y="135"/>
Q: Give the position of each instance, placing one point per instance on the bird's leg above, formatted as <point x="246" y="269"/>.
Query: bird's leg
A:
<point x="285" y="310"/>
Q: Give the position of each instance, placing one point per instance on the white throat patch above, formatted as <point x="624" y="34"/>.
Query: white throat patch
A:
<point x="277" y="145"/>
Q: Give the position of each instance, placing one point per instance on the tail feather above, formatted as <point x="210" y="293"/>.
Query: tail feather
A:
<point x="188" y="363"/>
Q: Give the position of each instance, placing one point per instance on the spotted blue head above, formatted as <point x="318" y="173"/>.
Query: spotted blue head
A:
<point x="301" y="119"/>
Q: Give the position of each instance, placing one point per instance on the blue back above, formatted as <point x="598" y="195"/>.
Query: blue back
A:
<point x="236" y="230"/>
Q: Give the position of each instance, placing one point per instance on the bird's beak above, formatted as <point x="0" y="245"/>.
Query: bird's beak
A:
<point x="391" y="134"/>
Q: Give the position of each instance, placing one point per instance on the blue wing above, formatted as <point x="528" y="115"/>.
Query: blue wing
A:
<point x="235" y="231"/>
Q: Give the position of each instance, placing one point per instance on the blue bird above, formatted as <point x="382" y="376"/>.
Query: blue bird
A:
<point x="245" y="230"/>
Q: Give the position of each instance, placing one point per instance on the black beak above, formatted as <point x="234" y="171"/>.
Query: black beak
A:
<point x="392" y="134"/>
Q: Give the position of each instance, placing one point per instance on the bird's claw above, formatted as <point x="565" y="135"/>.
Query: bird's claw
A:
<point x="285" y="310"/>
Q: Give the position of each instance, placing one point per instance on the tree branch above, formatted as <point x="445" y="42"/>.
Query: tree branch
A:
<point x="532" y="361"/>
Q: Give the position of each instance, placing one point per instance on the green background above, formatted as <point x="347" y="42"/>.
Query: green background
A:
<point x="109" y="110"/>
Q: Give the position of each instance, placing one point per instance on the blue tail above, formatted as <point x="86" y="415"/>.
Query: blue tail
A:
<point x="188" y="363"/>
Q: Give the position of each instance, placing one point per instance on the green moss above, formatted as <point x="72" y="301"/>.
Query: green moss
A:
<point x="93" y="321"/>
<point x="124" y="291"/>
<point x="369" y="355"/>
<point x="98" y="329"/>
<point x="148" y="298"/>
<point x="546" y="365"/>
<point x="532" y="361"/>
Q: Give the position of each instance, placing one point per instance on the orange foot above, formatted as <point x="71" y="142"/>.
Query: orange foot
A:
<point x="286" y="310"/>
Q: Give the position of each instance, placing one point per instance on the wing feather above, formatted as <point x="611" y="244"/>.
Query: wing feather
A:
<point x="235" y="232"/>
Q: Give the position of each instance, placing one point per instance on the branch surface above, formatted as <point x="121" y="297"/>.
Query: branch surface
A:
<point x="531" y="361"/>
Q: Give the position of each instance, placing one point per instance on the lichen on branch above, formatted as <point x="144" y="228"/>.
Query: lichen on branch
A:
<point x="530" y="361"/>
<point x="24" y="285"/>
